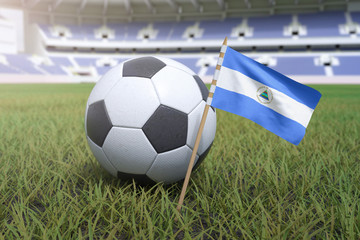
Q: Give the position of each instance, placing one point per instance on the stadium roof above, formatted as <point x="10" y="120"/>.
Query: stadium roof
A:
<point x="176" y="8"/>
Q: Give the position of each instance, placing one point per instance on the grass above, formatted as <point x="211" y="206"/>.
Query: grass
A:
<point x="252" y="185"/>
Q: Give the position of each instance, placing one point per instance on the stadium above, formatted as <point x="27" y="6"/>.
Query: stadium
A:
<point x="251" y="185"/>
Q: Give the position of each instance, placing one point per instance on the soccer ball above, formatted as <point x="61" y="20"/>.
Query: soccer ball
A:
<point x="142" y="118"/>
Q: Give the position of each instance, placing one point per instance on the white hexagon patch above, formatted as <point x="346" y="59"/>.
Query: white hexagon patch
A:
<point x="131" y="102"/>
<point x="177" y="89"/>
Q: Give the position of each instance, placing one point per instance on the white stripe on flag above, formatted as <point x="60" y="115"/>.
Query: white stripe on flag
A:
<point x="283" y="104"/>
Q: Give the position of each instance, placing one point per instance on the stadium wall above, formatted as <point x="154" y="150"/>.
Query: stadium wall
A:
<point x="11" y="30"/>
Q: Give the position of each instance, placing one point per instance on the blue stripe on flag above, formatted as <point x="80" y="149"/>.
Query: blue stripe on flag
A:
<point x="242" y="105"/>
<point x="269" y="77"/>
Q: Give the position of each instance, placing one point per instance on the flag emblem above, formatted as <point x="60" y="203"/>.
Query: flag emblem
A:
<point x="264" y="95"/>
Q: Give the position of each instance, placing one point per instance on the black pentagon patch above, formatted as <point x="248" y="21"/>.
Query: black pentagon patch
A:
<point x="142" y="67"/>
<point x="98" y="123"/>
<point x="202" y="157"/>
<point x="139" y="178"/>
<point x="204" y="90"/>
<point x="166" y="129"/>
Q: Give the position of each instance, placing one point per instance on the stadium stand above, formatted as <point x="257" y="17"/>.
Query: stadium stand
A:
<point x="288" y="58"/>
<point x="294" y="65"/>
<point x="293" y="40"/>
<point x="325" y="24"/>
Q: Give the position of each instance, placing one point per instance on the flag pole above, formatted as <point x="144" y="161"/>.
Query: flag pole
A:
<point x="202" y="124"/>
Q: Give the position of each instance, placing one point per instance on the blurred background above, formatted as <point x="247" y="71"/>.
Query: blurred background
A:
<point x="52" y="41"/>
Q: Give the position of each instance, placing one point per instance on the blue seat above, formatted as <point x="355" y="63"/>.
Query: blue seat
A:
<point x="270" y="26"/>
<point x="298" y="66"/>
<point x="21" y="62"/>
<point x="8" y="69"/>
<point x="164" y="30"/>
<point x="179" y="29"/>
<point x="215" y="29"/>
<point x="323" y="24"/>
<point x="348" y="65"/>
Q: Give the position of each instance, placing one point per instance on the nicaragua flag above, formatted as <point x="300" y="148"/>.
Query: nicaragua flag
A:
<point x="270" y="99"/>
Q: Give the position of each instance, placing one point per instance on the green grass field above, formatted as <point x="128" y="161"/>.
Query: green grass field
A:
<point x="252" y="185"/>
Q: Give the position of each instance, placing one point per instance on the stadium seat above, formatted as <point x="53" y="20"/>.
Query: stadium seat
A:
<point x="8" y="69"/>
<point x="348" y="65"/>
<point x="22" y="63"/>
<point x="323" y="24"/>
<point x="132" y="30"/>
<point x="164" y="30"/>
<point x="298" y="66"/>
<point x="262" y="29"/>
<point x="215" y="29"/>
<point x="179" y="29"/>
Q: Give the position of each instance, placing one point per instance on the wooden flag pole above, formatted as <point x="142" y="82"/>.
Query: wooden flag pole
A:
<point x="201" y="128"/>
